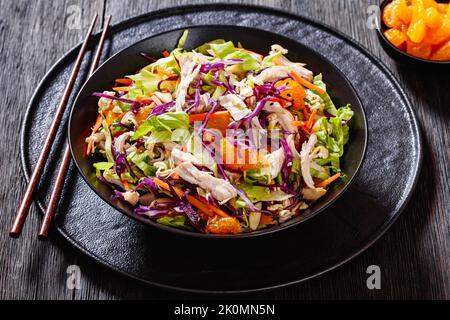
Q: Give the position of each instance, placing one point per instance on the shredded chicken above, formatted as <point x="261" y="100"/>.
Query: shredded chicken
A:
<point x="132" y="197"/>
<point x="179" y="156"/>
<point x="276" y="160"/>
<point x="234" y="105"/>
<point x="275" y="48"/>
<point x="220" y="189"/>
<point x="313" y="193"/>
<point x="189" y="71"/>
<point x="164" y="97"/>
<point x="129" y="119"/>
<point x="105" y="103"/>
<point x="285" y="118"/>
<point x="298" y="68"/>
<point x="273" y="73"/>
<point x="291" y="143"/>
<point x="119" y="142"/>
<point x="306" y="159"/>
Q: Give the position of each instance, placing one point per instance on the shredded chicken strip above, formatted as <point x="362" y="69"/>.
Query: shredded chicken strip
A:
<point x="188" y="74"/>
<point x="220" y="189"/>
<point x="306" y="159"/>
<point x="285" y="118"/>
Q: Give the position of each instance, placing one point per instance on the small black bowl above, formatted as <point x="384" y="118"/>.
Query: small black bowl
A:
<point x="128" y="61"/>
<point x="401" y="56"/>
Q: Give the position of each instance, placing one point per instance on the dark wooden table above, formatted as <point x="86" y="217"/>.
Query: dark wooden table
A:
<point x="414" y="255"/>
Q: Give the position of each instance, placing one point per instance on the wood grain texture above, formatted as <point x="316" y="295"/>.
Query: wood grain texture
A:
<point x="413" y="255"/>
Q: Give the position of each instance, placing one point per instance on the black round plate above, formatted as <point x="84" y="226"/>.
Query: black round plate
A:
<point x="85" y="109"/>
<point x="378" y="194"/>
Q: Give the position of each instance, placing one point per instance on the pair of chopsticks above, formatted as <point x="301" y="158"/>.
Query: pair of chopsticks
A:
<point x="27" y="199"/>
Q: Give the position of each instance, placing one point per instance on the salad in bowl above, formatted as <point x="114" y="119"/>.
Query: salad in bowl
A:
<point x="219" y="139"/>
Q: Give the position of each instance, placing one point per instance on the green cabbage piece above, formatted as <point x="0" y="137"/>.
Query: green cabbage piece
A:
<point x="268" y="60"/>
<point x="333" y="134"/>
<point x="345" y="113"/>
<point x="329" y="105"/>
<point x="178" y="222"/>
<point x="318" y="174"/>
<point x="141" y="161"/>
<point x="255" y="193"/>
<point x="111" y="176"/>
<point x="159" y="137"/>
<point x="180" y="135"/>
<point x="165" y="122"/>
<point x="102" y="166"/>
<point x="257" y="175"/>
<point x="222" y="50"/>
<point x="146" y="81"/>
<point x="183" y="39"/>
<point x="249" y="62"/>
<point x="203" y="49"/>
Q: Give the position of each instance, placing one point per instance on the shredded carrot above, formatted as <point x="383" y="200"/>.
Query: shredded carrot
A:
<point x="299" y="123"/>
<point x="97" y="125"/>
<point x="90" y="147"/>
<point x="169" y="74"/>
<point x="166" y="53"/>
<point x="329" y="180"/>
<point x="126" y="185"/>
<point x="266" y="219"/>
<point x="144" y="100"/>
<point x="306" y="131"/>
<point x="196" y="202"/>
<point x="124" y="81"/>
<point x="124" y="89"/>
<point x="307" y="84"/>
<point x="310" y="122"/>
<point x="215" y="115"/>
<point x="175" y="176"/>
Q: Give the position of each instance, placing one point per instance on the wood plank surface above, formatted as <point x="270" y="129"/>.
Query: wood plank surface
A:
<point x="413" y="255"/>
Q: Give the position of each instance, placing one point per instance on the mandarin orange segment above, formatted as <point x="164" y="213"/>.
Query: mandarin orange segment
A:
<point x="442" y="53"/>
<point x="389" y="17"/>
<point x="403" y="12"/>
<point x="433" y="19"/>
<point x="417" y="31"/>
<point x="442" y="8"/>
<point x="220" y="225"/>
<point x="143" y="114"/>
<point x="421" y="50"/>
<point x="430" y="4"/>
<point x="439" y="35"/>
<point x="396" y="37"/>
<point x="294" y="92"/>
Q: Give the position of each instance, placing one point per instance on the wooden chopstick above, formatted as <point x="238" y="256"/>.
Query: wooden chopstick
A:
<point x="64" y="166"/>
<point x="27" y="199"/>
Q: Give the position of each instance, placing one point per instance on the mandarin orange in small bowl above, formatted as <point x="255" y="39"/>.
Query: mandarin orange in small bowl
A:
<point x="416" y="32"/>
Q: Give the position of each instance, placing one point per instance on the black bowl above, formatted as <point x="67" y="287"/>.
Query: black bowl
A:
<point x="128" y="61"/>
<point x="401" y="56"/>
